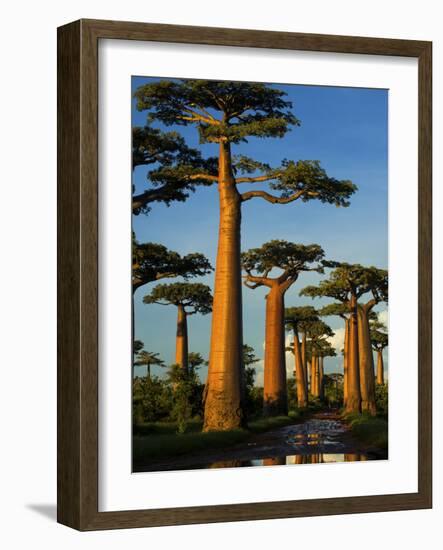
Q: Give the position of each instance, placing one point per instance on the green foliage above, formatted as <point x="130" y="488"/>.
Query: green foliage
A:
<point x="137" y="346"/>
<point x="299" y="319"/>
<point x="351" y="279"/>
<point x="152" y="399"/>
<point x="147" y="359"/>
<point x="195" y="360"/>
<point x="175" y="162"/>
<point x="292" y="393"/>
<point x="369" y="429"/>
<point x="379" y="336"/>
<point x="308" y="178"/>
<point x="152" y="261"/>
<point x="333" y="390"/>
<point x="290" y="257"/>
<point x="220" y="109"/>
<point x="382" y="399"/>
<point x="182" y="389"/>
<point x="193" y="295"/>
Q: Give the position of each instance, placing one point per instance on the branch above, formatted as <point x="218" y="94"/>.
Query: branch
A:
<point x="259" y="281"/>
<point x="255" y="179"/>
<point x="275" y="200"/>
<point x="202" y="177"/>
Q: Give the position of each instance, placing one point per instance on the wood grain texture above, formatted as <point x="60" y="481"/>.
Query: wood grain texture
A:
<point x="78" y="274"/>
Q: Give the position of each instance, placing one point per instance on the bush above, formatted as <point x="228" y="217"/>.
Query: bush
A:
<point x="381" y="399"/>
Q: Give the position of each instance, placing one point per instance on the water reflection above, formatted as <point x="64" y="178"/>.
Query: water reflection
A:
<point x="316" y="458"/>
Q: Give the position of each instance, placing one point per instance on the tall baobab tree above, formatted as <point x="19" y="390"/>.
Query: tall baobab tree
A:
<point x="348" y="283"/>
<point x="148" y="359"/>
<point x="297" y="320"/>
<point x="189" y="298"/>
<point x="289" y="259"/>
<point x="227" y="113"/>
<point x="380" y="340"/>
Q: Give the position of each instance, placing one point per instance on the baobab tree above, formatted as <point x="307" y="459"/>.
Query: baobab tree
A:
<point x="342" y="311"/>
<point x="289" y="259"/>
<point x="318" y="332"/>
<point x="227" y="113"/>
<point x="379" y="340"/>
<point x="171" y="156"/>
<point x="189" y="298"/>
<point x="296" y="320"/>
<point x="148" y="359"/>
<point x="348" y="283"/>
<point x="322" y="349"/>
<point x="152" y="262"/>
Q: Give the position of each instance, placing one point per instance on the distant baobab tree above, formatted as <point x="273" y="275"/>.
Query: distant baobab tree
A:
<point x="379" y="340"/>
<point x="289" y="260"/>
<point x="146" y="358"/>
<point x="297" y="320"/>
<point x="227" y="113"/>
<point x="348" y="283"/>
<point x="189" y="298"/>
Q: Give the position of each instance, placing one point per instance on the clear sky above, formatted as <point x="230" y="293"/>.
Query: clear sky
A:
<point x="346" y="130"/>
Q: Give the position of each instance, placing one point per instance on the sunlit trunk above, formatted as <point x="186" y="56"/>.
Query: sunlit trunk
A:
<point x="315" y="376"/>
<point x="275" y="400"/>
<point x="380" y="368"/>
<point x="321" y="389"/>
<point x="353" y="401"/>
<point x="345" y="362"/>
<point x="181" y="345"/>
<point x="366" y="361"/>
<point x="309" y="367"/>
<point x="303" y="354"/>
<point x="300" y="380"/>
<point x="223" y="404"/>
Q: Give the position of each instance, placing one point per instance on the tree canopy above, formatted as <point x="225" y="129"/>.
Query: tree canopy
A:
<point x="300" y="318"/>
<point x="152" y="261"/>
<point x="195" y="296"/>
<point x="148" y="358"/>
<point x="290" y="258"/>
<point x="230" y="112"/>
<point x="379" y="335"/>
<point x="350" y="279"/>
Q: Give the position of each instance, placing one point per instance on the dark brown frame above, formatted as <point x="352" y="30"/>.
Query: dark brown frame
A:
<point x="77" y="274"/>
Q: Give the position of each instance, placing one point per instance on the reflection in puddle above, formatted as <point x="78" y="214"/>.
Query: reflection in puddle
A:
<point x="317" y="458"/>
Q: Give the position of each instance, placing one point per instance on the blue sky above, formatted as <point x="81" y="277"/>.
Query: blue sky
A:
<point x="344" y="128"/>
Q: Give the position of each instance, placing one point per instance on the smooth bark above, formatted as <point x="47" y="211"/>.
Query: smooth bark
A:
<point x="275" y="400"/>
<point x="345" y="362"/>
<point x="300" y="380"/>
<point x="224" y="401"/>
<point x="353" y="401"/>
<point x="303" y="354"/>
<point x="380" y="368"/>
<point x="321" y="372"/>
<point x="366" y="362"/>
<point x="181" y="345"/>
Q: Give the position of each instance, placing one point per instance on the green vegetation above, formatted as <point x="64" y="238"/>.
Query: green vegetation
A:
<point x="369" y="430"/>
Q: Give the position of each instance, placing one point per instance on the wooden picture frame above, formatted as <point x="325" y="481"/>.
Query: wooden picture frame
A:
<point x="78" y="274"/>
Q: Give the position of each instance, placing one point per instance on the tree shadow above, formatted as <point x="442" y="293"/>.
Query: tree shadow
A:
<point x="49" y="511"/>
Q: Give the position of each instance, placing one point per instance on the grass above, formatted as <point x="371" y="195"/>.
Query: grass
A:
<point x="155" y="440"/>
<point x="371" y="430"/>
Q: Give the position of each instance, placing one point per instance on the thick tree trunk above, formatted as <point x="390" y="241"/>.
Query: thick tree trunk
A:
<point x="321" y="388"/>
<point x="314" y="376"/>
<point x="303" y="354"/>
<point x="353" y="401"/>
<point x="275" y="400"/>
<point x="300" y="380"/>
<point x="310" y="382"/>
<point x="380" y="368"/>
<point x="181" y="345"/>
<point x="366" y="361"/>
<point x="224" y="400"/>
<point x="345" y="362"/>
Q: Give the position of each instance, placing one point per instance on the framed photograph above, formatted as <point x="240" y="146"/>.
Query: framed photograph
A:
<point x="244" y="275"/>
